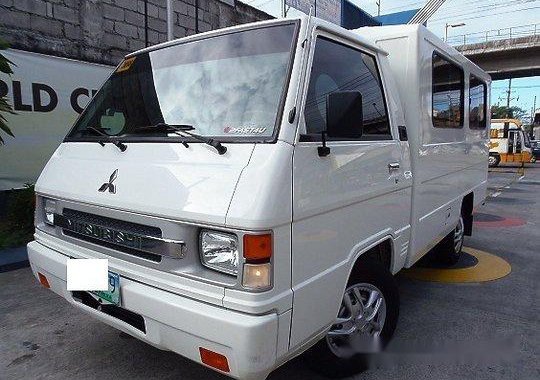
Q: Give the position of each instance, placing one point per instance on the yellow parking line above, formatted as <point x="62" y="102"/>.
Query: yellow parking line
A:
<point x="488" y="268"/>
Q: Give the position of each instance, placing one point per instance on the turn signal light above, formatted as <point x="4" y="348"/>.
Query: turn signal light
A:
<point x="258" y="247"/>
<point x="214" y="360"/>
<point x="257" y="276"/>
<point x="43" y="280"/>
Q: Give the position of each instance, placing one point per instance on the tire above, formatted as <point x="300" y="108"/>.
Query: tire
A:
<point x="331" y="356"/>
<point x="494" y="160"/>
<point x="533" y="159"/>
<point x="448" y="251"/>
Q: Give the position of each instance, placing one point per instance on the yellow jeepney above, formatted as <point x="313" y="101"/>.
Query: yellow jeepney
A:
<point x="508" y="143"/>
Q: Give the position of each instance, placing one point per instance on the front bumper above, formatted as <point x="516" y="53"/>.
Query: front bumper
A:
<point x="178" y="323"/>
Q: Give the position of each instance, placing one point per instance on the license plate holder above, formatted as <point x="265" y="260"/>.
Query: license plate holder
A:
<point x="111" y="295"/>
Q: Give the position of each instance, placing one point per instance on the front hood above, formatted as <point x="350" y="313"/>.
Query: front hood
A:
<point x="160" y="179"/>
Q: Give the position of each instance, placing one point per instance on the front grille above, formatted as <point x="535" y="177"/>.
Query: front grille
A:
<point x="133" y="229"/>
<point x="120" y="225"/>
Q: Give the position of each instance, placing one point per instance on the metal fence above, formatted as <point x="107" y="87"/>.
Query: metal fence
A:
<point x="494" y="35"/>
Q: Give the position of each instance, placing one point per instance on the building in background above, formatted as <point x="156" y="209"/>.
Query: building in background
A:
<point x="354" y="17"/>
<point x="103" y="31"/>
<point x="397" y="18"/>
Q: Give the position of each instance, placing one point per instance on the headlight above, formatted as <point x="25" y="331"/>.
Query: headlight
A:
<point x="219" y="251"/>
<point x="49" y="207"/>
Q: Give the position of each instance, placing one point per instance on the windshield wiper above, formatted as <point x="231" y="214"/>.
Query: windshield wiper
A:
<point x="120" y="145"/>
<point x="184" y="129"/>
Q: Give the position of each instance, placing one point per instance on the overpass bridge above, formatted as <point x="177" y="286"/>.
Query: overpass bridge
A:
<point x="503" y="53"/>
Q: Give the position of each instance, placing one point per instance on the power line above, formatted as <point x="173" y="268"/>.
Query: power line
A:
<point x="413" y="4"/>
<point x="489" y="15"/>
<point x="483" y="10"/>
<point x="514" y="87"/>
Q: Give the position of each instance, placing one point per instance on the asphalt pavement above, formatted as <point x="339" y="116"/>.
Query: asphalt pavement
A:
<point x="487" y="330"/>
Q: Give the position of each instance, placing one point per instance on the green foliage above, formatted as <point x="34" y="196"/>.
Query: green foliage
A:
<point x="17" y="228"/>
<point x="4" y="105"/>
<point x="502" y="112"/>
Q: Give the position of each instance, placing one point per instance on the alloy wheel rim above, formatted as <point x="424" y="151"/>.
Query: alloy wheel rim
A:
<point x="491" y="160"/>
<point x="459" y="233"/>
<point x="360" y="321"/>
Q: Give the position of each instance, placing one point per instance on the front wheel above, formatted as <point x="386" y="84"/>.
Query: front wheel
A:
<point x="365" y="323"/>
<point x="494" y="160"/>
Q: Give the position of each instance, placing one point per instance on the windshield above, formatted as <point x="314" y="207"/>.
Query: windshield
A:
<point x="229" y="87"/>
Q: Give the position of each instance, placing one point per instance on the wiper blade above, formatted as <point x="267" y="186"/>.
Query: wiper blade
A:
<point x="120" y="145"/>
<point x="185" y="130"/>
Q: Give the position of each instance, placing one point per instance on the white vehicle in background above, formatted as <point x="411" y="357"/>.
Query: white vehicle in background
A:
<point x="256" y="188"/>
<point x="509" y="143"/>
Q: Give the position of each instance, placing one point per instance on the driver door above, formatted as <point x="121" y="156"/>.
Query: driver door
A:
<point x="348" y="199"/>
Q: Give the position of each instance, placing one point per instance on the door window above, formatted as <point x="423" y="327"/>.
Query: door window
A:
<point x="337" y="67"/>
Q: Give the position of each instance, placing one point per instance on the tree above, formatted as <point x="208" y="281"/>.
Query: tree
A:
<point x="502" y="112"/>
<point x="5" y="107"/>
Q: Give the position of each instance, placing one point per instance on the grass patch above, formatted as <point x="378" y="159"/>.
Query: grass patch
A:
<point x="17" y="228"/>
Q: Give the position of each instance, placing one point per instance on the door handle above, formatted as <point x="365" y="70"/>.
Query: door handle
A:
<point x="393" y="166"/>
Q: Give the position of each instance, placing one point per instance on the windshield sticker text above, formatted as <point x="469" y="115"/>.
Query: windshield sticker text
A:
<point x="244" y="130"/>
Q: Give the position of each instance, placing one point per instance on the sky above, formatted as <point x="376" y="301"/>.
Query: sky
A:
<point x="478" y="15"/>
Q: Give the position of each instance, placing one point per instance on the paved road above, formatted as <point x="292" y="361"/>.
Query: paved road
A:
<point x="41" y="336"/>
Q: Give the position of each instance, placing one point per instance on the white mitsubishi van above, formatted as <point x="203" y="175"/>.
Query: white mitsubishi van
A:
<point x="255" y="189"/>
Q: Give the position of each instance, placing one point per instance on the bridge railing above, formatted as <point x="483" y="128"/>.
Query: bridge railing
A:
<point x="494" y="35"/>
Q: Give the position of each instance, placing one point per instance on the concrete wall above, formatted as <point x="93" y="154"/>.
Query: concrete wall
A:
<point x="103" y="31"/>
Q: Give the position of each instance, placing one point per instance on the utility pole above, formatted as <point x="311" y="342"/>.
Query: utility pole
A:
<point x="533" y="113"/>
<point x="378" y="7"/>
<point x="508" y="93"/>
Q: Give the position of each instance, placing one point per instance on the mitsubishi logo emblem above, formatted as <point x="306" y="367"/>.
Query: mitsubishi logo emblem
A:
<point x="109" y="185"/>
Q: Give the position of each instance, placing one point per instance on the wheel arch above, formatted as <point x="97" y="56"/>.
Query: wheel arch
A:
<point x="467" y="205"/>
<point x="381" y="251"/>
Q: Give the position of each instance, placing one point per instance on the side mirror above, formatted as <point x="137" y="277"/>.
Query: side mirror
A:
<point x="344" y="114"/>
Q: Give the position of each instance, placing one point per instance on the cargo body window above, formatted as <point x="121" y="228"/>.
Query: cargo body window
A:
<point x="477" y="103"/>
<point x="447" y="91"/>
<point x="337" y="67"/>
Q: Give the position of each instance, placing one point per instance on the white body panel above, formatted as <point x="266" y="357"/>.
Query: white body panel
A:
<point x="323" y="212"/>
<point x="447" y="163"/>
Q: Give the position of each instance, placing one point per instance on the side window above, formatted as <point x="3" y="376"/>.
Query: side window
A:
<point x="477" y="103"/>
<point x="337" y="67"/>
<point x="447" y="89"/>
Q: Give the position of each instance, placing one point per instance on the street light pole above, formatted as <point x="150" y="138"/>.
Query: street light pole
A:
<point x="451" y="26"/>
<point x="170" y="36"/>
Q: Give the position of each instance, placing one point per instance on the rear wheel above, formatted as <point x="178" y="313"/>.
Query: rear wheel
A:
<point x="365" y="323"/>
<point x="448" y="251"/>
<point x="494" y="160"/>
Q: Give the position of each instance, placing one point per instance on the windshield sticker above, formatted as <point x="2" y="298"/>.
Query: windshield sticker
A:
<point x="244" y="130"/>
<point x="126" y="65"/>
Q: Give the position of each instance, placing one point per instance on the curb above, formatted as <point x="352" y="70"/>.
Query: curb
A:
<point x="13" y="258"/>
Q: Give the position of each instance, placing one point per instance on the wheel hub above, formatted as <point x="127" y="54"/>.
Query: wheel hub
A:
<point x="459" y="234"/>
<point x="360" y="320"/>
